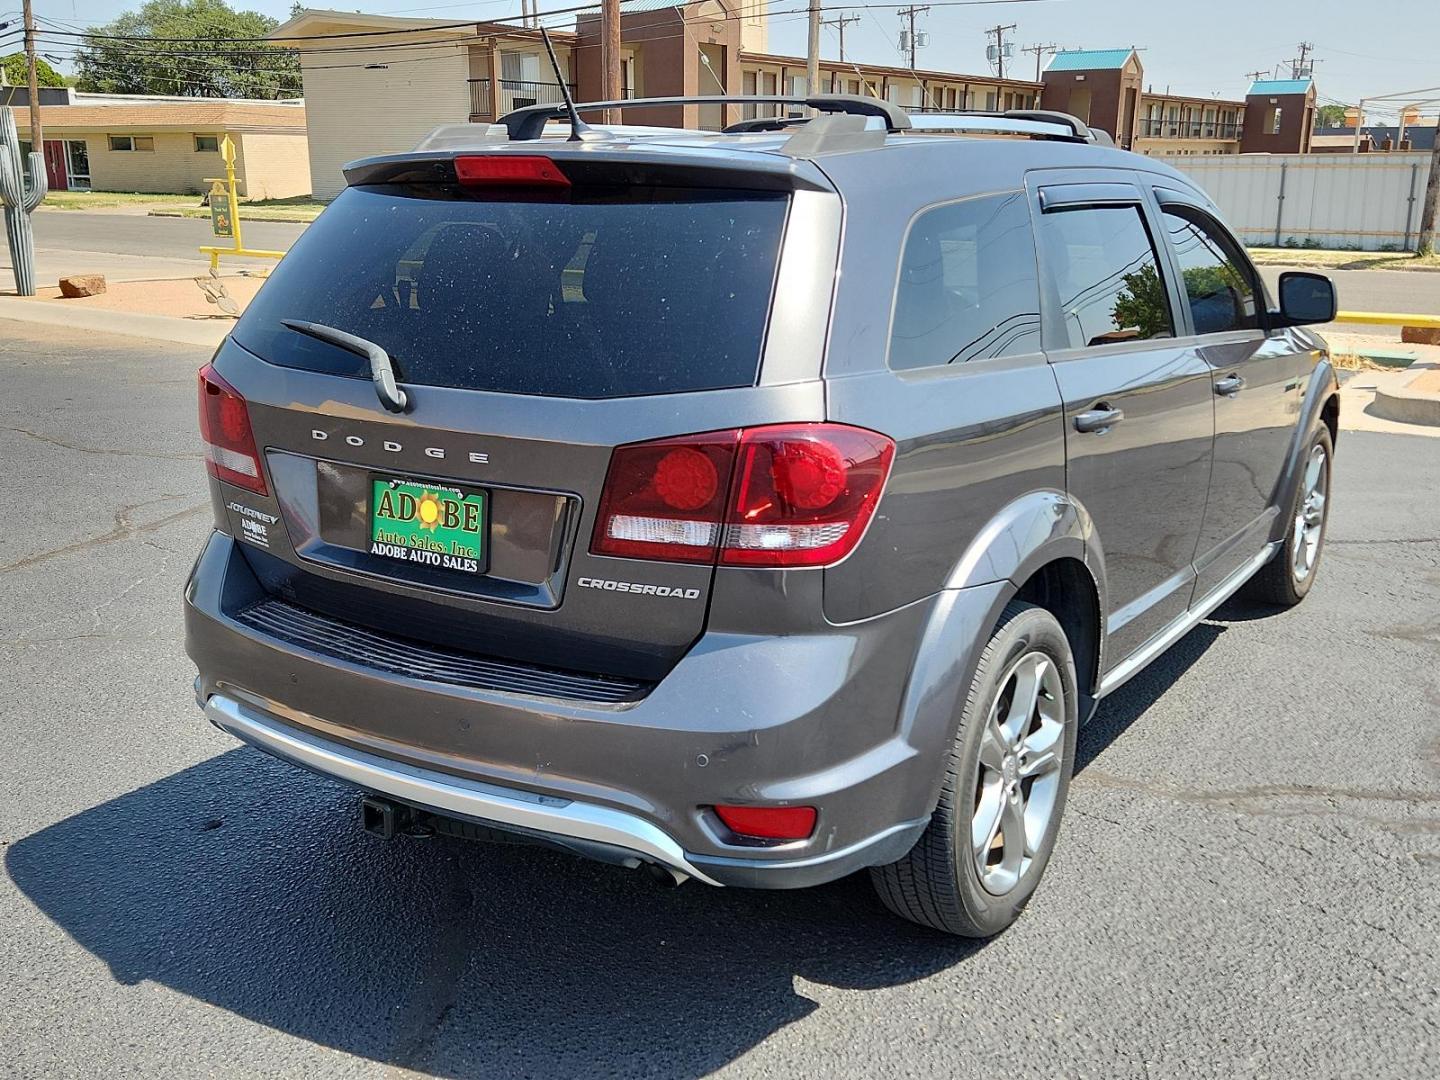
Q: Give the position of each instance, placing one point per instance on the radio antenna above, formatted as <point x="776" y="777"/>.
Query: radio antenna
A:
<point x="579" y="130"/>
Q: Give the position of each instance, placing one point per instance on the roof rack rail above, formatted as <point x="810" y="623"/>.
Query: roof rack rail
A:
<point x="1036" y="123"/>
<point x="529" y="122"/>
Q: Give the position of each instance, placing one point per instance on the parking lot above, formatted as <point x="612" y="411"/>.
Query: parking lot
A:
<point x="1247" y="882"/>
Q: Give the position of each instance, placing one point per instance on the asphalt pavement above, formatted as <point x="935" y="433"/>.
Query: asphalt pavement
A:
<point x="156" y="237"/>
<point x="1247" y="881"/>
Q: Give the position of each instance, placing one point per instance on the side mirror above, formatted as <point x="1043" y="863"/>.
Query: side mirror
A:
<point x="1305" y="299"/>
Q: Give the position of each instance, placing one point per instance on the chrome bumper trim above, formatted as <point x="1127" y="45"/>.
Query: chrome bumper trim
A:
<point x="453" y="795"/>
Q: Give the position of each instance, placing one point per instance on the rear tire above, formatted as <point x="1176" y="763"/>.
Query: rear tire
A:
<point x="1286" y="579"/>
<point x="979" y="860"/>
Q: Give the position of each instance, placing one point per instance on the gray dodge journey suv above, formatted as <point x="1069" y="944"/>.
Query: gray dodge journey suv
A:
<point x="753" y="506"/>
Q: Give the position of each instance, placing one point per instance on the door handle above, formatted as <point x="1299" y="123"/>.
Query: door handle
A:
<point x="1229" y="386"/>
<point x="1099" y="419"/>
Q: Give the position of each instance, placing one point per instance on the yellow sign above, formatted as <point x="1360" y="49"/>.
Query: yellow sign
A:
<point x="225" y="212"/>
<point x="221" y="223"/>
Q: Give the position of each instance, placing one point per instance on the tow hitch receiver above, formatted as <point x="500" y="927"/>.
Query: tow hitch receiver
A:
<point x="384" y="818"/>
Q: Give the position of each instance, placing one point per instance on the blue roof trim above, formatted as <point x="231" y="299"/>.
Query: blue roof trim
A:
<point x="1280" y="87"/>
<point x="1089" y="59"/>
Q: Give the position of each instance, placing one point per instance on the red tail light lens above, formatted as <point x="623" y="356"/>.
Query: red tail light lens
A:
<point x="804" y="494"/>
<point x="510" y="170"/>
<point x="666" y="500"/>
<point x="785" y="495"/>
<point x="230" y="453"/>
<point x="769" y="822"/>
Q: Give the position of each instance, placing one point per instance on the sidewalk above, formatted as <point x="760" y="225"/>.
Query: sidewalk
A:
<point x="187" y="320"/>
<point x="1400" y="401"/>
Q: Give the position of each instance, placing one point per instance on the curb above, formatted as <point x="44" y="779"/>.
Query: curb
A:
<point x="154" y="327"/>
<point x="1407" y="406"/>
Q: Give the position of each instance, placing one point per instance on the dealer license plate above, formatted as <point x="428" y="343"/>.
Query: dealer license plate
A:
<point x="428" y="524"/>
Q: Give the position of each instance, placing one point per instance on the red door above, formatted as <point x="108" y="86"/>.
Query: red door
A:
<point x="55" y="172"/>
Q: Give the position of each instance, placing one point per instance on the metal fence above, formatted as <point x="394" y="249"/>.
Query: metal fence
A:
<point x="1362" y="202"/>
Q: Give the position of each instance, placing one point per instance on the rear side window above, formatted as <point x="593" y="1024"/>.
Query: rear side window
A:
<point x="616" y="292"/>
<point x="1218" y="287"/>
<point x="1107" y="275"/>
<point x="968" y="287"/>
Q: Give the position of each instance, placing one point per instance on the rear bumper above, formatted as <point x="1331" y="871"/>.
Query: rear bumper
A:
<point x="453" y="795"/>
<point x="801" y="719"/>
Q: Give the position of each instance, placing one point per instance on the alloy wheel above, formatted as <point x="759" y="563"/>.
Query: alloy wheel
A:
<point x="1019" y="775"/>
<point x="1310" y="514"/>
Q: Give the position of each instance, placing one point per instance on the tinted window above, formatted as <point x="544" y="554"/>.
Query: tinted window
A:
<point x="1107" y="275"/>
<point x="613" y="293"/>
<point x="1217" y="285"/>
<point x="968" y="288"/>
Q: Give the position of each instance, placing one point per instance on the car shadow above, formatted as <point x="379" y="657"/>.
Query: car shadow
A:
<point x="1126" y="705"/>
<point x="248" y="885"/>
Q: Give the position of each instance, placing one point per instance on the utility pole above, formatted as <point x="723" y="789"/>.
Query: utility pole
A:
<point x="37" y="134"/>
<point x="1298" y="68"/>
<point x="840" y="24"/>
<point x="1040" y="50"/>
<point x="909" y="14"/>
<point x="1256" y="76"/>
<point x="1426" y="246"/>
<point x="610" y="55"/>
<point x="998" y="33"/>
<point x="812" y="51"/>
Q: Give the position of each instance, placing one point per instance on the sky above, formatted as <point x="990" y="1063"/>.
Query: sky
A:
<point x="1202" y="48"/>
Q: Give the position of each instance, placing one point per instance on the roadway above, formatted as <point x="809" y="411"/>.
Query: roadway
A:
<point x="1247" y="881"/>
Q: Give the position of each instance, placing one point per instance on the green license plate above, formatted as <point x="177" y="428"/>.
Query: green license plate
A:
<point x="432" y="525"/>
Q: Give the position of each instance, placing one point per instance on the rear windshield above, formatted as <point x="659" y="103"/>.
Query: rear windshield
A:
<point x="611" y="293"/>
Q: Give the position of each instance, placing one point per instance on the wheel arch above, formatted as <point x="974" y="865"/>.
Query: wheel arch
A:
<point x="1321" y="405"/>
<point x="1041" y="548"/>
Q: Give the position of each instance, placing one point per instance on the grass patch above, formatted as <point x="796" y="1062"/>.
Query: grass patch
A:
<point x="110" y="200"/>
<point x="1343" y="260"/>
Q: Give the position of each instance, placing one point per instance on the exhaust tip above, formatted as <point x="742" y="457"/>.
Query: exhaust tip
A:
<point x="664" y="876"/>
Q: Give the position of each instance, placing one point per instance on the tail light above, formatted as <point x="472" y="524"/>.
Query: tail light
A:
<point x="230" y="453"/>
<point x="769" y="822"/>
<point x="786" y="495"/>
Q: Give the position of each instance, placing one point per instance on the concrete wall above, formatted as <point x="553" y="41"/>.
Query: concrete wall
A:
<point x="1369" y="202"/>
<point x="275" y="166"/>
<point x="354" y="112"/>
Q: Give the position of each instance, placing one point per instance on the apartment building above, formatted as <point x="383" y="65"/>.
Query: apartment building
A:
<point x="377" y="84"/>
<point x="1107" y="89"/>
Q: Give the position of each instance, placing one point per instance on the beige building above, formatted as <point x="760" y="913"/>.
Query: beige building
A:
<point x="395" y="80"/>
<point x="105" y="142"/>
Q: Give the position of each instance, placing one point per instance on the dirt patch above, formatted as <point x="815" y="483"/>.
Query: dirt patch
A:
<point x="179" y="298"/>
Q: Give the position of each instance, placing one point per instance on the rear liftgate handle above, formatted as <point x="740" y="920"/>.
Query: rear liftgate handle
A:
<point x="1099" y="419"/>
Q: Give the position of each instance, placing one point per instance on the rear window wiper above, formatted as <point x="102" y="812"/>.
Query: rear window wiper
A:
<point x="382" y="371"/>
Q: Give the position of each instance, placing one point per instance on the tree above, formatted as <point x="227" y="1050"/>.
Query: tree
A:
<point x="1330" y="116"/>
<point x="16" y="75"/>
<point x="128" y="56"/>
